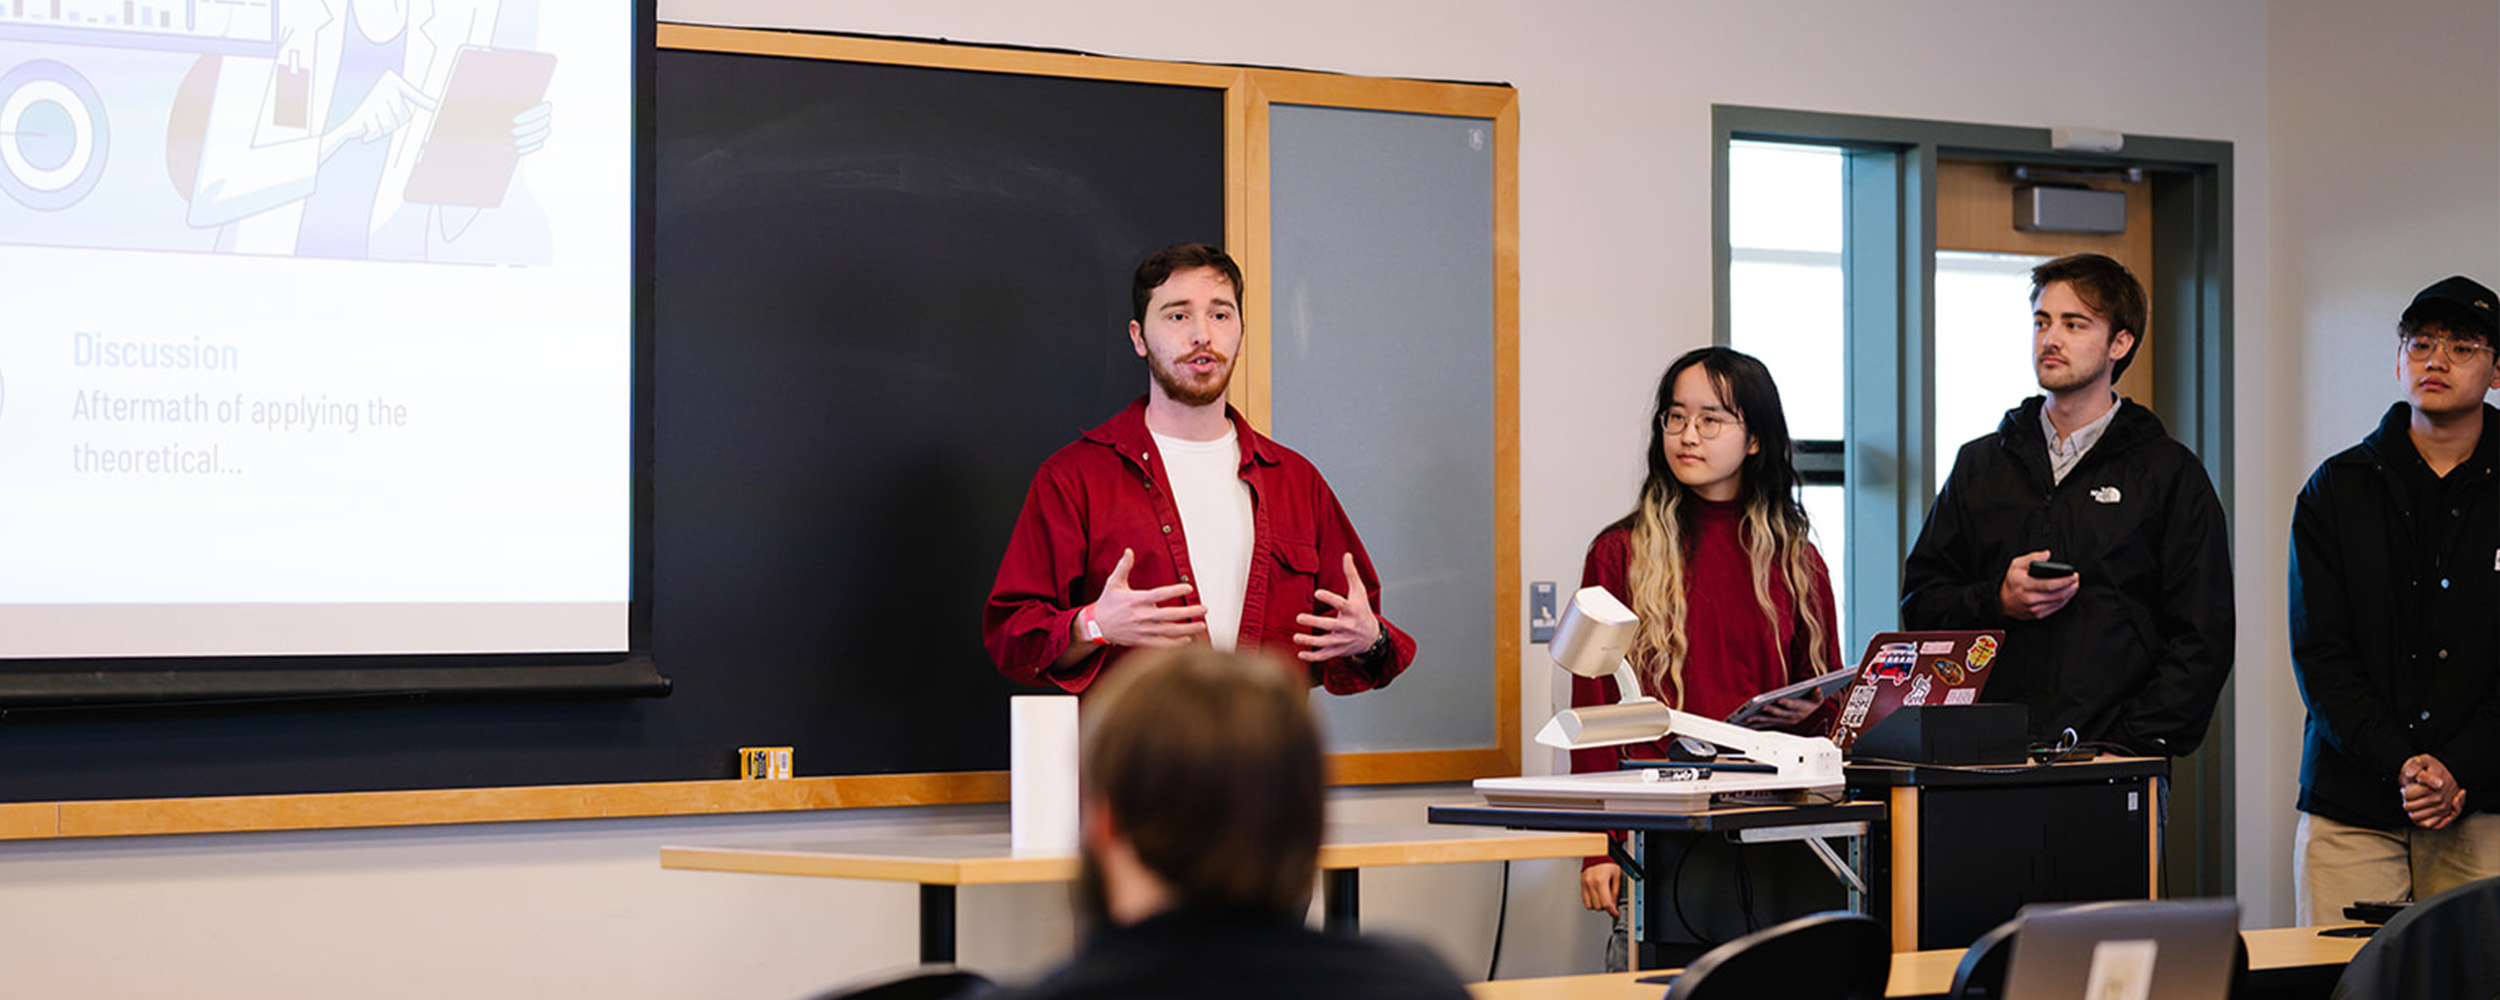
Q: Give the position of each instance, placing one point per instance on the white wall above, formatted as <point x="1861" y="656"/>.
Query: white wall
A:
<point x="1614" y="201"/>
<point x="2385" y="122"/>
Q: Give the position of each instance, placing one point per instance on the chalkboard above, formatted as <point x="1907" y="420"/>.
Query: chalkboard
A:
<point x="886" y="295"/>
<point x="882" y="295"/>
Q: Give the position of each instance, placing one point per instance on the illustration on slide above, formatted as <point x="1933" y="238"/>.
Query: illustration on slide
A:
<point x="381" y="129"/>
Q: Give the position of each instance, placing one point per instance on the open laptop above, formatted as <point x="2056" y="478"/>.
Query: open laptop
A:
<point x="1899" y="668"/>
<point x="2174" y="949"/>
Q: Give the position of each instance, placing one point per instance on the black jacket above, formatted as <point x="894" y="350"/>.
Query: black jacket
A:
<point x="2140" y="655"/>
<point x="2368" y="634"/>
<point x="1220" y="955"/>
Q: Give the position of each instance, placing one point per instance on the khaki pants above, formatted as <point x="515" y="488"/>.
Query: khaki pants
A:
<point x="2336" y="864"/>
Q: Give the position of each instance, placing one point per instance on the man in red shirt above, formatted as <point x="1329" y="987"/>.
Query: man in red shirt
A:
<point x="1175" y="522"/>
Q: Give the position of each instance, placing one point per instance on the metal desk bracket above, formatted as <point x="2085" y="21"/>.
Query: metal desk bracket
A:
<point x="1813" y="835"/>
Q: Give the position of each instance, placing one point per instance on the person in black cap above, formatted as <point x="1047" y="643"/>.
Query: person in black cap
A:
<point x="2395" y="581"/>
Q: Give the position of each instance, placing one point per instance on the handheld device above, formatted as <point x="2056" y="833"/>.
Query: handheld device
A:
<point x="2045" y="569"/>
<point x="1821" y="686"/>
<point x="469" y="158"/>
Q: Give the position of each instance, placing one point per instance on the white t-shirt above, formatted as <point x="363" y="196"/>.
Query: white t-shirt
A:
<point x="1216" y="519"/>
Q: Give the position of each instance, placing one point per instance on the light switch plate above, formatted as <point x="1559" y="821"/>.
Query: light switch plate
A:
<point x="1541" y="618"/>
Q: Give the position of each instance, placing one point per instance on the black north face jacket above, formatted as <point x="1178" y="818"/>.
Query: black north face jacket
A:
<point x="2393" y="662"/>
<point x="2139" y="656"/>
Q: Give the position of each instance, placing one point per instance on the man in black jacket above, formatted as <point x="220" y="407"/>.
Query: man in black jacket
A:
<point x="2123" y="636"/>
<point x="2395" y="615"/>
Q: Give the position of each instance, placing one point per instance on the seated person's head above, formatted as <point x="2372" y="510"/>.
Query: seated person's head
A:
<point x="1202" y="785"/>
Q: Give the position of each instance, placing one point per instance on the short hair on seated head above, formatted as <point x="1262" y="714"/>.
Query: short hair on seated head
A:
<point x="1163" y="264"/>
<point x="1210" y="764"/>
<point x="2106" y="287"/>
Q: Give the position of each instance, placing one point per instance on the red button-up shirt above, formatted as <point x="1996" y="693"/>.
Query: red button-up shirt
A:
<point x="1108" y="491"/>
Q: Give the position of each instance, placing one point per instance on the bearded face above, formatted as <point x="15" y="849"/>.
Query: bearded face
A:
<point x="1190" y="336"/>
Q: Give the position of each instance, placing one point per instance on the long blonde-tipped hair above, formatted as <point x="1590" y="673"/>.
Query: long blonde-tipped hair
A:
<point x="1775" y="530"/>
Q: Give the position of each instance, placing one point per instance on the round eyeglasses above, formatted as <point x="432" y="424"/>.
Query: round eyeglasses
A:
<point x="2456" y="351"/>
<point x="1708" y="424"/>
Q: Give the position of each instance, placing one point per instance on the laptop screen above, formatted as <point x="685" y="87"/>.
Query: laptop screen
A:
<point x="2140" y="950"/>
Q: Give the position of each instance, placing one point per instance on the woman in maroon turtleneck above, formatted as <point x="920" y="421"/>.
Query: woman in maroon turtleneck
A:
<point x="1713" y="560"/>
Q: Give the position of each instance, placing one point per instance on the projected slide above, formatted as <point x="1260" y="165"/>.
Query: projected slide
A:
<point x="318" y="336"/>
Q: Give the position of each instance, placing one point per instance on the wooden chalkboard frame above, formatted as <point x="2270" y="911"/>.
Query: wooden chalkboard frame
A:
<point x="1248" y="93"/>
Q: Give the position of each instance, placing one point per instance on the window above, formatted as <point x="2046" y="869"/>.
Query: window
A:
<point x="1983" y="312"/>
<point x="1787" y="306"/>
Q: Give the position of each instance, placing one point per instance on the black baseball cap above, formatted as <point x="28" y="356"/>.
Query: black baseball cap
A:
<point x="2452" y="295"/>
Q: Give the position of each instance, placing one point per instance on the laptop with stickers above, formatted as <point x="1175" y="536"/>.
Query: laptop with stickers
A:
<point x="1899" y="668"/>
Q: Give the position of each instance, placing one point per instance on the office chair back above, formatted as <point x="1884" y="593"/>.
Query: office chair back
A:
<point x="2443" y="947"/>
<point x="1981" y="976"/>
<point x="1822" y="956"/>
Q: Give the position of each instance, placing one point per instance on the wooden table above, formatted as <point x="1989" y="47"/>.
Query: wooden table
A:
<point x="2281" y="961"/>
<point x="942" y="863"/>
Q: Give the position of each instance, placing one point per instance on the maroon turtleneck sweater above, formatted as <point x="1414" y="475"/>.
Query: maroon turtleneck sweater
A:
<point x="1734" y="654"/>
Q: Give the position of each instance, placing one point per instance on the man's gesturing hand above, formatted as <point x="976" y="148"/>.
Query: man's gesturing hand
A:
<point x="1136" y="617"/>
<point x="1351" y="630"/>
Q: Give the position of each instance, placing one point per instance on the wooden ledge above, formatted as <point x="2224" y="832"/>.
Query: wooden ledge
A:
<point x="434" y="806"/>
<point x="424" y="807"/>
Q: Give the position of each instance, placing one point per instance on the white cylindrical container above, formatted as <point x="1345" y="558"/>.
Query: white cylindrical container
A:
<point x="1041" y="777"/>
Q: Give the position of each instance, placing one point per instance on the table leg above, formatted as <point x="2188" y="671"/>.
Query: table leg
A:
<point x="2156" y="822"/>
<point x="1341" y="892"/>
<point x="1637" y="904"/>
<point x="937" y="924"/>
<point x="1860" y="895"/>
<point x="1902" y="828"/>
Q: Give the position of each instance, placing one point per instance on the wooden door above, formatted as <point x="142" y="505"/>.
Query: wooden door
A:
<point x="1975" y="212"/>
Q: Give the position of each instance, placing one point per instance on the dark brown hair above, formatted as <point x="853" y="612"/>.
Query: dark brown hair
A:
<point x="2106" y="287"/>
<point x="1159" y="268"/>
<point x="1210" y="765"/>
